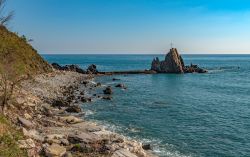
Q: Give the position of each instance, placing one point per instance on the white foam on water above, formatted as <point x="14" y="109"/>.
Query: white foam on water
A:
<point x="88" y="113"/>
<point x="159" y="148"/>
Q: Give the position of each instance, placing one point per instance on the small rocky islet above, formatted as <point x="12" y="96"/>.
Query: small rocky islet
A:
<point x="174" y="63"/>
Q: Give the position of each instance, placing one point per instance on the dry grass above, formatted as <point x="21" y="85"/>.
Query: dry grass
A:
<point x="8" y="140"/>
<point x="18" y="53"/>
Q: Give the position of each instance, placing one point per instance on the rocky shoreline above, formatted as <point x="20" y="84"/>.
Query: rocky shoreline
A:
<point x="49" y="109"/>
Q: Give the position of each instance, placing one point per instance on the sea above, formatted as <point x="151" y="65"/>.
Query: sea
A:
<point x="179" y="115"/>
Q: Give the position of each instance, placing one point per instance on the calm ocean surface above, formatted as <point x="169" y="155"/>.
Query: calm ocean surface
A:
<point x="180" y="115"/>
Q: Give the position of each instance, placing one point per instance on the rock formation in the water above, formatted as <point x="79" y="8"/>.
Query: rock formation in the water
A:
<point x="174" y="63"/>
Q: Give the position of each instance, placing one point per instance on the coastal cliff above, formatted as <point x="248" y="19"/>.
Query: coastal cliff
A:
<point x="174" y="63"/>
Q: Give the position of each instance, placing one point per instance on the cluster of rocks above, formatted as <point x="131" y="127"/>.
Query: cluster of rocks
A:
<point x="53" y="125"/>
<point x="174" y="63"/>
<point x="92" y="69"/>
<point x="74" y="68"/>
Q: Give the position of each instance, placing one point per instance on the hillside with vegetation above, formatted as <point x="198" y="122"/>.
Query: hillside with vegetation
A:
<point x="18" y="61"/>
<point x="9" y="136"/>
<point x="18" y="56"/>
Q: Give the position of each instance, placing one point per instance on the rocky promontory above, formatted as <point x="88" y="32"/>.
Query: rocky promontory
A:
<point x="174" y="63"/>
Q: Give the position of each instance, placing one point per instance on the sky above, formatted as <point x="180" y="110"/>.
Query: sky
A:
<point x="133" y="26"/>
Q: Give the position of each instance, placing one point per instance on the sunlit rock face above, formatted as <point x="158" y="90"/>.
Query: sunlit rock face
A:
<point x="173" y="63"/>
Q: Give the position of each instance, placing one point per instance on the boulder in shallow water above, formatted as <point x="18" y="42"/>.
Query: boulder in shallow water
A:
<point x="120" y="85"/>
<point x="116" y="79"/>
<point x="108" y="90"/>
<point x="107" y="98"/>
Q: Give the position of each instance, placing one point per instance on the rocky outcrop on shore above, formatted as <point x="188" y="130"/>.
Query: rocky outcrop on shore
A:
<point x="174" y="63"/>
<point x="72" y="67"/>
<point x="43" y="112"/>
<point x="92" y="69"/>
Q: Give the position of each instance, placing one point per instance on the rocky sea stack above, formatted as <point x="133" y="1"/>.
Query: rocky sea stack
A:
<point x="174" y="63"/>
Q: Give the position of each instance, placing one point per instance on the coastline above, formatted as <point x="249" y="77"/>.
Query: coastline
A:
<point x="50" y="129"/>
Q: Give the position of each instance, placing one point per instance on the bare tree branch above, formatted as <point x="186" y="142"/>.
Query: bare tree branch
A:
<point x="2" y="6"/>
<point x="5" y="19"/>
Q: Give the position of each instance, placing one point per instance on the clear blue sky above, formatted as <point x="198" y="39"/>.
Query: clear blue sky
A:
<point x="134" y="26"/>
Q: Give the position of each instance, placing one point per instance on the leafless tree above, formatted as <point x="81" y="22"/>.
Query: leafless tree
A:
<point x="10" y="77"/>
<point x="4" y="19"/>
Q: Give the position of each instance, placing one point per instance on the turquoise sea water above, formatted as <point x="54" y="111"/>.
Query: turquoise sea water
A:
<point x="180" y="115"/>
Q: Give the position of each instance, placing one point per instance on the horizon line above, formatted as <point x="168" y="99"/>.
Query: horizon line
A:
<point x="142" y="53"/>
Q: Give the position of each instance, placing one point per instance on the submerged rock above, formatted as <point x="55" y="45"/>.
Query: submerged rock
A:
<point x="107" y="98"/>
<point x="108" y="90"/>
<point x="115" y="79"/>
<point x="120" y="85"/>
